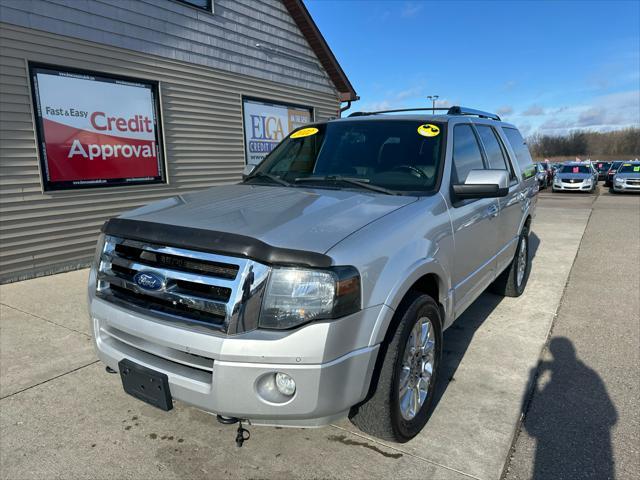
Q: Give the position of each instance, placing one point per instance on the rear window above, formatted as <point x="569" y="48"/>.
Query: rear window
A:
<point x="523" y="157"/>
<point x="575" y="169"/>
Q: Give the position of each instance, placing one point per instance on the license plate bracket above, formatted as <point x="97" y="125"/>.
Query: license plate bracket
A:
<point x="145" y="384"/>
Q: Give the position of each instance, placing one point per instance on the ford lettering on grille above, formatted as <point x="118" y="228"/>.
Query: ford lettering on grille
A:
<point x="148" y="280"/>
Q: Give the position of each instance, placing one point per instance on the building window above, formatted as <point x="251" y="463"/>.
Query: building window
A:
<point x="96" y="130"/>
<point x="203" y="4"/>
<point x="267" y="122"/>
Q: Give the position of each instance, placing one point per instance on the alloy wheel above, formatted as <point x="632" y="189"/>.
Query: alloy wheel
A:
<point x="417" y="368"/>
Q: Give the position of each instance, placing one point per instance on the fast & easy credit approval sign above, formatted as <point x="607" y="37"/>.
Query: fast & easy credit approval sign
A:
<point x="95" y="130"/>
<point x="267" y="123"/>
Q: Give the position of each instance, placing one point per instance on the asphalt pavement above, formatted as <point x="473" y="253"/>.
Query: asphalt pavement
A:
<point x="582" y="421"/>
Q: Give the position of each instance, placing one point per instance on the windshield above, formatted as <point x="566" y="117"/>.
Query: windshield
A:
<point x="616" y="165"/>
<point x="629" y="168"/>
<point x="603" y="166"/>
<point x="398" y="155"/>
<point x="575" y="169"/>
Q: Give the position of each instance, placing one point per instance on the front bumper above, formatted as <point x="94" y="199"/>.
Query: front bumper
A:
<point x="331" y="362"/>
<point x="572" y="187"/>
<point x="625" y="187"/>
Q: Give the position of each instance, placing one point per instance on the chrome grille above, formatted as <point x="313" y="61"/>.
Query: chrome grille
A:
<point x="633" y="181"/>
<point x="192" y="286"/>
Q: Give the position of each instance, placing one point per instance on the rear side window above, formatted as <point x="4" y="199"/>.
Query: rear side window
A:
<point x="493" y="149"/>
<point x="466" y="153"/>
<point x="521" y="150"/>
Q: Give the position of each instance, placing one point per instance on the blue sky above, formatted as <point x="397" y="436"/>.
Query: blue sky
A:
<point x="547" y="66"/>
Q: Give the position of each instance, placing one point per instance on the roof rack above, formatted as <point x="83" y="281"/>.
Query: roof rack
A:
<point x="450" y="111"/>
<point x="472" y="111"/>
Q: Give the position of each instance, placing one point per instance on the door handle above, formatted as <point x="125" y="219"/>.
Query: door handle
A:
<point x="493" y="210"/>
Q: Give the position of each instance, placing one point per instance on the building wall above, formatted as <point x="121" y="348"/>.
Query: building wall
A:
<point x="202" y="119"/>
<point x="224" y="40"/>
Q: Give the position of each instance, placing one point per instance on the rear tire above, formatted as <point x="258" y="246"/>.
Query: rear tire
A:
<point x="382" y="414"/>
<point x="512" y="282"/>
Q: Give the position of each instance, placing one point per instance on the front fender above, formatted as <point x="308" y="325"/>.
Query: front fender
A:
<point x="428" y="266"/>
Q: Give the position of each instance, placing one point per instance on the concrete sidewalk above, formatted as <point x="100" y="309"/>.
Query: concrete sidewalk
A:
<point x="583" y="420"/>
<point x="62" y="416"/>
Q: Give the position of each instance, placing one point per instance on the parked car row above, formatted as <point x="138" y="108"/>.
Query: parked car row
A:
<point x="619" y="176"/>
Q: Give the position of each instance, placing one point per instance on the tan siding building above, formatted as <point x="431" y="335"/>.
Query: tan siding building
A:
<point x="204" y="63"/>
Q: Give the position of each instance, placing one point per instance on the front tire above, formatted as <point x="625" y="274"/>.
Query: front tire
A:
<point x="400" y="404"/>
<point x="512" y="282"/>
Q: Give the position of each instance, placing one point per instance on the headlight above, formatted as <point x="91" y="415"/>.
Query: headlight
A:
<point x="619" y="180"/>
<point x="557" y="180"/>
<point x="295" y="296"/>
<point x="587" y="181"/>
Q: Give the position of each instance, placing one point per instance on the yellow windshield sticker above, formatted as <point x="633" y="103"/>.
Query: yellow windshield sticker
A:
<point x="305" y="132"/>
<point x="428" y="130"/>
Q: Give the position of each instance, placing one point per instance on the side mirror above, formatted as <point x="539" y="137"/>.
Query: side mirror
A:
<point x="247" y="170"/>
<point x="483" y="184"/>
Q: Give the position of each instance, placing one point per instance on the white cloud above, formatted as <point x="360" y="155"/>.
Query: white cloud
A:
<point x="533" y="111"/>
<point x="410" y="9"/>
<point x="604" y="113"/>
<point x="504" y="110"/>
<point x="509" y="85"/>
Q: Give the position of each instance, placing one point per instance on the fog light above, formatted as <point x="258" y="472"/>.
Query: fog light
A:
<point x="285" y="384"/>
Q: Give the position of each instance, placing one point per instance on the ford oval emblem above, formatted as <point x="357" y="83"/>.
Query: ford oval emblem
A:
<point x="149" y="280"/>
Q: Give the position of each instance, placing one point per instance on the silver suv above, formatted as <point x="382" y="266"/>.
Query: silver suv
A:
<point x="319" y="286"/>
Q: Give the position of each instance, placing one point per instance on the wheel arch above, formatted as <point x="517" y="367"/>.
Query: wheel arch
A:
<point x="430" y="283"/>
<point x="429" y="279"/>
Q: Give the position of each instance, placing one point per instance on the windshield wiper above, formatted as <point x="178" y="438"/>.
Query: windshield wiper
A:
<point x="268" y="176"/>
<point x="357" y="182"/>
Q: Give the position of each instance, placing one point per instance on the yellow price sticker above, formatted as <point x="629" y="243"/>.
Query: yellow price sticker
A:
<point x="428" y="130"/>
<point x="305" y="132"/>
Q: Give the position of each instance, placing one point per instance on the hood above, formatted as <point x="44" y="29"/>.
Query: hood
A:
<point x="295" y="218"/>
<point x="573" y="176"/>
<point x="628" y="174"/>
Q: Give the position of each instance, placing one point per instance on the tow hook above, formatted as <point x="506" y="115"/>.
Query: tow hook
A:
<point x="242" y="434"/>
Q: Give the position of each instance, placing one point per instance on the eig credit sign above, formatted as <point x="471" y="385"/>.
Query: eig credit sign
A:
<point x="267" y="123"/>
<point x="96" y="130"/>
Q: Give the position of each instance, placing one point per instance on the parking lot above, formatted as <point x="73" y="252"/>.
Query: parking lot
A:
<point x="62" y="416"/>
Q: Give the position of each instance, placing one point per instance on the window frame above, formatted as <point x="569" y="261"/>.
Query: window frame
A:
<point x="522" y="176"/>
<point x="513" y="177"/>
<point x="485" y="164"/>
<point x="208" y="8"/>
<point x="462" y="202"/>
<point x="49" y="186"/>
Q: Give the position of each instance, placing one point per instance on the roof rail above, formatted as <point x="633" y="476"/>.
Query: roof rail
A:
<point x="363" y="114"/>
<point x="471" y="111"/>
<point x="450" y="111"/>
